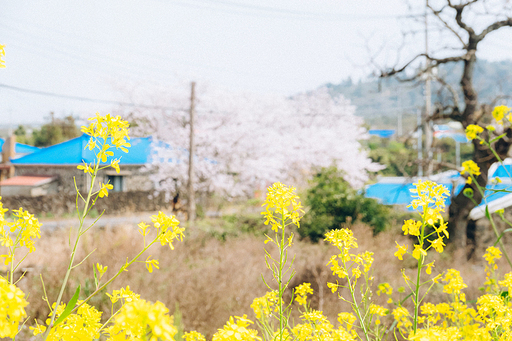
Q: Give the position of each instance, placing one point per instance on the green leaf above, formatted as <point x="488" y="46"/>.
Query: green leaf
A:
<point x="504" y="294"/>
<point x="69" y="307"/>
<point x="497" y="138"/>
<point x="501" y="235"/>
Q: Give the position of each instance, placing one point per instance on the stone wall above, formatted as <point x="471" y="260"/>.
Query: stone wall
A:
<point x="116" y="203"/>
<point x="135" y="177"/>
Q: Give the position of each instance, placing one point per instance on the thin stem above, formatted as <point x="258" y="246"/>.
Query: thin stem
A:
<point x="280" y="280"/>
<point x="123" y="268"/>
<point x="355" y="306"/>
<point x="417" y="294"/>
<point x="73" y="253"/>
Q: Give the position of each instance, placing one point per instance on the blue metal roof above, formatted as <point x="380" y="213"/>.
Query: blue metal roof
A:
<point x="503" y="171"/>
<point x="400" y="194"/>
<point x="20" y="148"/>
<point x="384" y="133"/>
<point x="74" y="152"/>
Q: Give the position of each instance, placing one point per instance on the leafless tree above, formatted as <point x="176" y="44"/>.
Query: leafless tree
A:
<point x="462" y="27"/>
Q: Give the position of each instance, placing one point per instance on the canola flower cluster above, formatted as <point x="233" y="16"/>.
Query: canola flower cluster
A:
<point x="12" y="308"/>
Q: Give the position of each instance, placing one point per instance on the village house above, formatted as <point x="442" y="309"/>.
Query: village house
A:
<point x="58" y="163"/>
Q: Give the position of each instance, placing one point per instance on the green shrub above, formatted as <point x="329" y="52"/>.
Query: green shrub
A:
<point x="331" y="201"/>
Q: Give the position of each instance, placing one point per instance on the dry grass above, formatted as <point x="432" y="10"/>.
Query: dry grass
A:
<point x="212" y="279"/>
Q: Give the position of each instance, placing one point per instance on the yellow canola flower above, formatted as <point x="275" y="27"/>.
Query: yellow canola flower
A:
<point x="104" y="190"/>
<point x="168" y="228"/>
<point x="282" y="201"/>
<point x="342" y="239"/>
<point x="123" y="294"/>
<point x="402" y="250"/>
<point x="491" y="254"/>
<point x="454" y="282"/>
<point x="429" y="194"/>
<point x="193" y="336"/>
<point x="150" y="263"/>
<point x="429" y="266"/>
<point x="471" y="168"/>
<point x="303" y="331"/>
<point x="301" y="293"/>
<point x="101" y="269"/>
<point x="401" y="316"/>
<point x="384" y="288"/>
<point x="262" y="306"/>
<point x="236" y="330"/>
<point x="12" y="308"/>
<point x="315" y="316"/>
<point x="29" y="227"/>
<point x="115" y="164"/>
<point x="438" y="244"/>
<point x="106" y="128"/>
<point x="507" y="282"/>
<point x="2" y="54"/>
<point x="418" y="251"/>
<point x="411" y="227"/>
<point x="142" y="320"/>
<point x="83" y="326"/>
<point x="472" y="131"/>
<point x="86" y="168"/>
<point x="499" y="113"/>
<point x="436" y="333"/>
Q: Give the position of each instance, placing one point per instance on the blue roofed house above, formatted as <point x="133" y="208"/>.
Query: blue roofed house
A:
<point x="12" y="150"/>
<point x="60" y="163"/>
<point x="498" y="195"/>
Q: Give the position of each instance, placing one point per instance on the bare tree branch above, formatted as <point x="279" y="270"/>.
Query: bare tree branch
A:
<point x="458" y="18"/>
<point x="450" y="88"/>
<point x="437" y="13"/>
<point x="493" y="27"/>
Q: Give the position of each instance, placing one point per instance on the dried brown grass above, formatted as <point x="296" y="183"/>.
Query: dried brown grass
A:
<point x="212" y="279"/>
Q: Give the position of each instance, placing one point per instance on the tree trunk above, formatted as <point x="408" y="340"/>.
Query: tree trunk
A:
<point x="461" y="206"/>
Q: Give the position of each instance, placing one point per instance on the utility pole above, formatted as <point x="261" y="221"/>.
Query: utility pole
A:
<point x="420" y="144"/>
<point x="428" y="95"/>
<point x="191" y="196"/>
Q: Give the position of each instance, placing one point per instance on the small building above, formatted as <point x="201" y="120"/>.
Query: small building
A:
<point x="28" y="186"/>
<point x="60" y="162"/>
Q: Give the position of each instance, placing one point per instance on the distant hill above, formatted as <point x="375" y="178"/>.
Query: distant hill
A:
<point x="380" y="101"/>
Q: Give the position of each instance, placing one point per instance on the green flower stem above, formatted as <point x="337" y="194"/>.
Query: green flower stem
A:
<point x="354" y="302"/>
<point x="280" y="280"/>
<point x="73" y="253"/>
<point x="495" y="229"/>
<point x="123" y="268"/>
<point x="417" y="294"/>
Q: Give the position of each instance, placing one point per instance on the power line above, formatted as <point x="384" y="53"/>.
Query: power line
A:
<point x="87" y="99"/>
<point x="257" y="10"/>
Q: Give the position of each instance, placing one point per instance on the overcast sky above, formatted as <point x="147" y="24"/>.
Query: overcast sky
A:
<point x="96" y="49"/>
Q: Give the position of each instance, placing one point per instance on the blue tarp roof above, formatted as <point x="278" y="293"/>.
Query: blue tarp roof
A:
<point x="384" y="133"/>
<point x="20" y="148"/>
<point x="503" y="171"/>
<point x="400" y="194"/>
<point x="73" y="152"/>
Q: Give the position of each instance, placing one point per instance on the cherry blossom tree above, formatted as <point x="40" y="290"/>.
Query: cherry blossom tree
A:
<point x="246" y="141"/>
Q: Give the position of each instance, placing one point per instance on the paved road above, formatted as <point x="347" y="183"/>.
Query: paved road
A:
<point x="107" y="220"/>
<point x="104" y="221"/>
